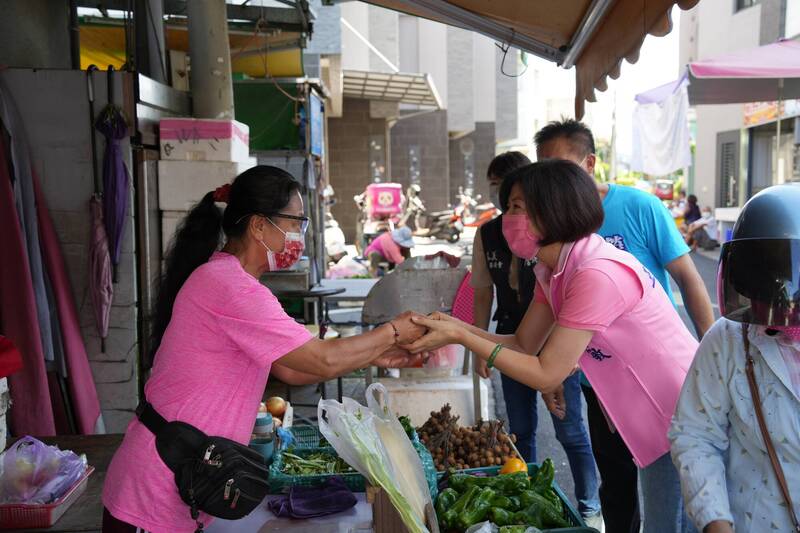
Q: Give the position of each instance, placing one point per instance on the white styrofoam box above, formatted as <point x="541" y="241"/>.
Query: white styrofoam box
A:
<point x="181" y="184"/>
<point x="418" y="397"/>
<point x="200" y="139"/>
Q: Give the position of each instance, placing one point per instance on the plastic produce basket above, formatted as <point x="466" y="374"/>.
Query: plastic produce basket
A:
<point x="570" y="513"/>
<point x="306" y="437"/>
<point x="27" y="516"/>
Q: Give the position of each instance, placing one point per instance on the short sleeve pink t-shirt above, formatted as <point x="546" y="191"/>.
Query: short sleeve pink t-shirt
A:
<point x="600" y="291"/>
<point x="210" y="371"/>
<point x="386" y="246"/>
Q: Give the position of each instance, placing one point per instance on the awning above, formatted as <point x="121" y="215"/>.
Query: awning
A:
<point x="764" y="74"/>
<point x="280" y="54"/>
<point x="593" y="35"/>
<point x="401" y="87"/>
<point x="754" y="75"/>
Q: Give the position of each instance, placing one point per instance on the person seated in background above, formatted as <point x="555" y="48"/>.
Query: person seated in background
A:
<point x="703" y="232"/>
<point x="391" y="247"/>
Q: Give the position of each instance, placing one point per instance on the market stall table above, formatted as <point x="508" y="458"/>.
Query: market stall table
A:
<point x="86" y="514"/>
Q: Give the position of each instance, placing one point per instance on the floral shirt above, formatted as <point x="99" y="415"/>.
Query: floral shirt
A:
<point x="716" y="442"/>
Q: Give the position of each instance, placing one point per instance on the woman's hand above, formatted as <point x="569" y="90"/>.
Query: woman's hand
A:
<point x="408" y="331"/>
<point x="718" y="526"/>
<point x="555" y="402"/>
<point x="441" y="332"/>
<point x="396" y="357"/>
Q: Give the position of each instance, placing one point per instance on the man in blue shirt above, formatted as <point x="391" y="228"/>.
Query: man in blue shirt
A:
<point x="639" y="223"/>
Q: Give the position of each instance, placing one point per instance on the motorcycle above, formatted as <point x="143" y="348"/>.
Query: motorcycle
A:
<point x="379" y="207"/>
<point x="472" y="213"/>
<point x="437" y="224"/>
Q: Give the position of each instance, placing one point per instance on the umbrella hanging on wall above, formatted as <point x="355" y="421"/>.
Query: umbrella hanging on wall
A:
<point x="101" y="288"/>
<point x="116" y="179"/>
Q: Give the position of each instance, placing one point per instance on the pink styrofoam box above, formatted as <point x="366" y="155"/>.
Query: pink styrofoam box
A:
<point x="384" y="199"/>
<point x="195" y="139"/>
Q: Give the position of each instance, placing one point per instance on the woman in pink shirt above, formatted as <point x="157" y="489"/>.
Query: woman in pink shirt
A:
<point x="393" y="247"/>
<point x="218" y="335"/>
<point x="597" y="307"/>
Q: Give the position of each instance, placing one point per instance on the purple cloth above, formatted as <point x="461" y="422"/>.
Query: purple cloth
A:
<point x="307" y="502"/>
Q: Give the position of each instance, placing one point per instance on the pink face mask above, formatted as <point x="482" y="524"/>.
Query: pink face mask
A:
<point x="293" y="246"/>
<point x="522" y="242"/>
<point x="791" y="332"/>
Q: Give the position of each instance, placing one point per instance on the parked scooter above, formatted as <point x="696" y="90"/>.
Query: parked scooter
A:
<point x="379" y="209"/>
<point x="437" y="224"/>
<point x="472" y="213"/>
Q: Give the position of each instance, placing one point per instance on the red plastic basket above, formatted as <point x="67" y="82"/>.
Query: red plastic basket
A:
<point x="22" y="516"/>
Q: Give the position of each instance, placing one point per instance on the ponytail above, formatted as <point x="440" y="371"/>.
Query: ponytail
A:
<point x="196" y="239"/>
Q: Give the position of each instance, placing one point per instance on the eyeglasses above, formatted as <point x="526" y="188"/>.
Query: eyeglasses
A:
<point x="303" y="220"/>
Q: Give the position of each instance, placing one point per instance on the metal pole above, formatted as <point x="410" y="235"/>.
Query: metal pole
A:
<point x="210" y="53"/>
<point x="148" y="18"/>
<point x="778" y="172"/>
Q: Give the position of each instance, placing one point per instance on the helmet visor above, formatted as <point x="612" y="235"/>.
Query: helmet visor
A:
<point x="759" y="281"/>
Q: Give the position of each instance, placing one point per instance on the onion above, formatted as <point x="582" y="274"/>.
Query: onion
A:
<point x="276" y="406"/>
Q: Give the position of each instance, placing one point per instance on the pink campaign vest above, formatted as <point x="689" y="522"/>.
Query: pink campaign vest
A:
<point x="637" y="366"/>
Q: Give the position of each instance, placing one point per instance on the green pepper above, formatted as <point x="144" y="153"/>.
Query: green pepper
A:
<point x="477" y="509"/>
<point x="543" y="480"/>
<point x="445" y="501"/>
<point x="513" y="529"/>
<point x="511" y="484"/>
<point x="503" y="502"/>
<point x="553" y="498"/>
<point x="541" y="511"/>
<point x="500" y="516"/>
<point x="451" y="515"/>
<point x="531" y="516"/>
<point x="516" y="505"/>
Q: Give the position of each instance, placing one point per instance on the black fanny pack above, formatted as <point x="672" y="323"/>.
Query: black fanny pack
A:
<point x="215" y="475"/>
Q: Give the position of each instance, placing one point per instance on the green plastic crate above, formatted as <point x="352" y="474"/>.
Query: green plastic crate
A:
<point x="280" y="482"/>
<point x="570" y="513"/>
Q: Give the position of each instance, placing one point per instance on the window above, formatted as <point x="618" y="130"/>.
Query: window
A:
<point x="744" y="4"/>
<point x="728" y="168"/>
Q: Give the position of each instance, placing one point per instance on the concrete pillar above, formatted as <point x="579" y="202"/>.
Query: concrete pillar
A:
<point x="150" y="48"/>
<point x="210" y="53"/>
<point x="35" y="33"/>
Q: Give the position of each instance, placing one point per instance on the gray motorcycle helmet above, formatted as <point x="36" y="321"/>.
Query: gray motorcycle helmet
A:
<point x="758" y="281"/>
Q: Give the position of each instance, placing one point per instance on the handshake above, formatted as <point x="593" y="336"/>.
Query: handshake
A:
<point x="417" y="338"/>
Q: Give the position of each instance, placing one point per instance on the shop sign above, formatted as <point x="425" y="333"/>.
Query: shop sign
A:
<point x="756" y="113"/>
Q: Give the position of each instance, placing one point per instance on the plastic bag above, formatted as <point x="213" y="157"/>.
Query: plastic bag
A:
<point x="373" y="441"/>
<point x="488" y="527"/>
<point x="36" y="473"/>
<point x="449" y="356"/>
<point x="347" y="267"/>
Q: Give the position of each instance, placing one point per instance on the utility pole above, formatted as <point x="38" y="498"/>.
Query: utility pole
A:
<point x="210" y="54"/>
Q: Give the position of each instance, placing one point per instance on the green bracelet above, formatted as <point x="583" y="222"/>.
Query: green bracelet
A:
<point x="490" y="362"/>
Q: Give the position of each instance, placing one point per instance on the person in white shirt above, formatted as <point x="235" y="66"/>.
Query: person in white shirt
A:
<point x="728" y="480"/>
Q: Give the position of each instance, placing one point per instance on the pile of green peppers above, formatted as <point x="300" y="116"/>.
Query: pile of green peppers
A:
<point x="506" y="500"/>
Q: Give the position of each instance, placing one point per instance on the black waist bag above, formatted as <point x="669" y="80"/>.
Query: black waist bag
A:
<point x="215" y="475"/>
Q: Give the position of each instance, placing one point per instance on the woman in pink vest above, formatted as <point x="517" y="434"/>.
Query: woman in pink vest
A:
<point x="597" y="307"/>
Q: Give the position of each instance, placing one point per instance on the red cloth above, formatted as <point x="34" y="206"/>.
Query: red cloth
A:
<point x="82" y="390"/>
<point x="33" y="413"/>
<point x="10" y="358"/>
